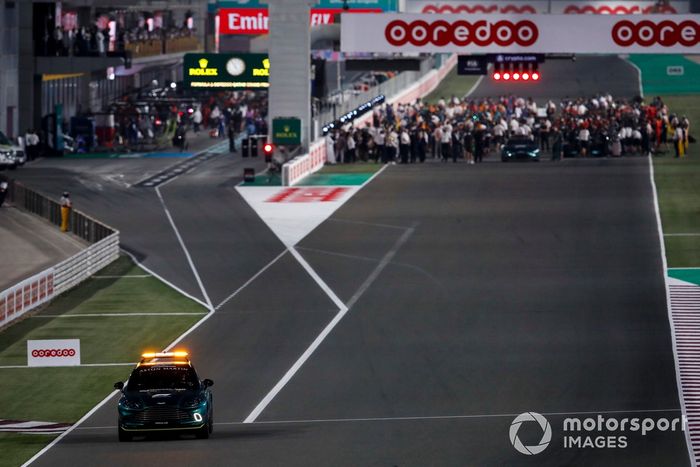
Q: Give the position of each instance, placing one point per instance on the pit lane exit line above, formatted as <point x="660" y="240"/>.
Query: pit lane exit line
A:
<point x="343" y="309"/>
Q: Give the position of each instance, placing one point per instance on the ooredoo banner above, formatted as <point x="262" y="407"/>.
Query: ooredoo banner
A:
<point x="477" y="7"/>
<point x="614" y="7"/>
<point x="619" y="7"/>
<point x="586" y="34"/>
<point x="53" y="352"/>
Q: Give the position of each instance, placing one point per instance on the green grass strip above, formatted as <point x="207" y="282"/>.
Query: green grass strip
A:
<point x="64" y="395"/>
<point x="677" y="181"/>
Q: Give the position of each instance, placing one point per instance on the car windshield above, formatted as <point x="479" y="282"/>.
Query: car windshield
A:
<point x="4" y="140"/>
<point x="150" y="378"/>
<point x="519" y="141"/>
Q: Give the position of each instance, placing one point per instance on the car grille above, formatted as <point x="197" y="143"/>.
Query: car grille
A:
<point x="162" y="414"/>
<point x="20" y="154"/>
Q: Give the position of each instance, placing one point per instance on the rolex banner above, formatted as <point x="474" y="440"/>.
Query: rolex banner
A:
<point x="226" y="71"/>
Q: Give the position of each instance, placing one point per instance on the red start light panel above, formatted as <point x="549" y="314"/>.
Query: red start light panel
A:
<point x="516" y="76"/>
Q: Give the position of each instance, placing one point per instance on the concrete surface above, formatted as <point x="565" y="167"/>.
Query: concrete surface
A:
<point x="30" y="244"/>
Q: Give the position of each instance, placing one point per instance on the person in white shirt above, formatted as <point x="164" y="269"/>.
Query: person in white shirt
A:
<point x="636" y="140"/>
<point x="31" y="143"/>
<point x="584" y="137"/>
<point x="446" y="141"/>
<point x="350" y="147"/>
<point x="498" y="135"/>
<point x="392" y="146"/>
<point x="514" y="125"/>
<point x="404" y="145"/>
<point x="197" y="119"/>
<point x="380" y="143"/>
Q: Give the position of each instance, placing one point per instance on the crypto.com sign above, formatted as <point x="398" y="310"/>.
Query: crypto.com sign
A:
<point x="521" y="33"/>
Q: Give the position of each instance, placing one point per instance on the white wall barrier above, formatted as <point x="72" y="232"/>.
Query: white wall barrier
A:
<point x="306" y="164"/>
<point x="26" y="295"/>
<point x="77" y="268"/>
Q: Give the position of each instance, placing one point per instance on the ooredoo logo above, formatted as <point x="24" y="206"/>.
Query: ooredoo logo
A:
<point x="37" y="353"/>
<point x="647" y="33"/>
<point x="461" y="33"/>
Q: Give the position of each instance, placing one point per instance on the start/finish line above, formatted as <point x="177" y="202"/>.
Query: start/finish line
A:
<point x="584" y="34"/>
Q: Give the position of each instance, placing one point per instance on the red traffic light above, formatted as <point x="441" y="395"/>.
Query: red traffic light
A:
<point x="497" y="76"/>
<point x="535" y="76"/>
<point x="268" y="148"/>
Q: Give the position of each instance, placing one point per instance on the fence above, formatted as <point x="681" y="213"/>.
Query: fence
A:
<point x="388" y="88"/>
<point x="42" y="287"/>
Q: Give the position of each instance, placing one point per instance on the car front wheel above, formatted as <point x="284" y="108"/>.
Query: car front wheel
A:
<point x="123" y="435"/>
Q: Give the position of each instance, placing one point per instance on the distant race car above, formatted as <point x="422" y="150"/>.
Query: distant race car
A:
<point x="164" y="393"/>
<point x="520" y="148"/>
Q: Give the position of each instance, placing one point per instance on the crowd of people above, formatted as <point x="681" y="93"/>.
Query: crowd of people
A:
<point x="469" y="129"/>
<point x="92" y="40"/>
<point x="223" y="115"/>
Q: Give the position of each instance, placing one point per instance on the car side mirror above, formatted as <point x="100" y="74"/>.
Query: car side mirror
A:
<point x="119" y="385"/>
<point x="207" y="383"/>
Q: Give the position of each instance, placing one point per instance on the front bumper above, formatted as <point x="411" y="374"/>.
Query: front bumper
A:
<point x="520" y="156"/>
<point x="162" y="419"/>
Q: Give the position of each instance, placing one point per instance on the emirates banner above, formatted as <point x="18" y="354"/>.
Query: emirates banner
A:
<point x="612" y="7"/>
<point x="584" y="34"/>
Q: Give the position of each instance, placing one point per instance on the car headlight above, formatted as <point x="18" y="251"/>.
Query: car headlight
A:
<point x="536" y="151"/>
<point x="130" y="404"/>
<point x="194" y="403"/>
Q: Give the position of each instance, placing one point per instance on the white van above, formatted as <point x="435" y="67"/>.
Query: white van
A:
<point x="11" y="155"/>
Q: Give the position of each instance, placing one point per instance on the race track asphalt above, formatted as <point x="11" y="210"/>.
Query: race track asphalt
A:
<point x="510" y="288"/>
<point x="562" y="78"/>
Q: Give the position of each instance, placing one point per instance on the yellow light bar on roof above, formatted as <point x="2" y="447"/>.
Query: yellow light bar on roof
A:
<point x="178" y="353"/>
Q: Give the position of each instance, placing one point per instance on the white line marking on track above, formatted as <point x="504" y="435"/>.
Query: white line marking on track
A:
<point x="162" y="279"/>
<point x="8" y="367"/>
<point x="321" y="283"/>
<point x="669" y="308"/>
<point x="380" y="267"/>
<point x="131" y="276"/>
<point x="255" y="276"/>
<point x="98" y="315"/>
<point x="185" y="250"/>
<point x="343" y="309"/>
<point x="476" y="85"/>
<point x="415" y="418"/>
<point x="168" y="169"/>
<point x="369" y="224"/>
<point x="639" y="75"/>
